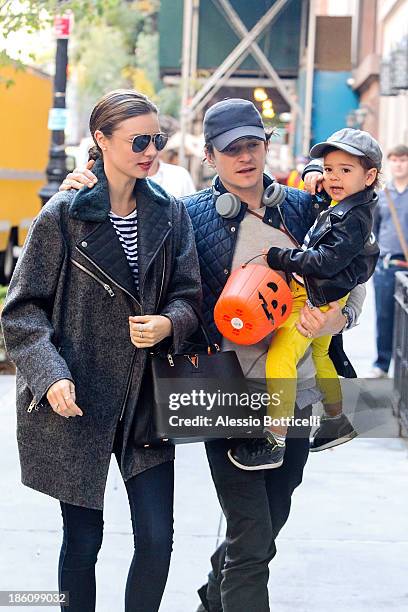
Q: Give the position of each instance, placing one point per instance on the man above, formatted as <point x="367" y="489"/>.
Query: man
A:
<point x="391" y="255"/>
<point x="256" y="504"/>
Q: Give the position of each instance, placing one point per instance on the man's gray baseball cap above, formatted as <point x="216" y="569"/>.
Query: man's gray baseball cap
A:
<point x="355" y="142"/>
<point x="229" y="120"/>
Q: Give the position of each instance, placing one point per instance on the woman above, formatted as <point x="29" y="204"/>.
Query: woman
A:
<point x="97" y="266"/>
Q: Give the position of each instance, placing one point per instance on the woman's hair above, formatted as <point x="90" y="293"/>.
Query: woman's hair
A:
<point x="367" y="163"/>
<point x="113" y="108"/>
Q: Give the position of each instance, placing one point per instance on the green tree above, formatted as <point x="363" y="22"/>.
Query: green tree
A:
<point x="114" y="44"/>
<point x="97" y="70"/>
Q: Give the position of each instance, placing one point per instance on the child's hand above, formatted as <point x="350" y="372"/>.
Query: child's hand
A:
<point x="313" y="182"/>
<point x="272" y="258"/>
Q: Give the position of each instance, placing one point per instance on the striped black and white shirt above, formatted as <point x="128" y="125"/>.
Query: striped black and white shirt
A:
<point x="126" y="229"/>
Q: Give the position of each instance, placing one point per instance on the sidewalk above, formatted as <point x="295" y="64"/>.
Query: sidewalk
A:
<point x="345" y="546"/>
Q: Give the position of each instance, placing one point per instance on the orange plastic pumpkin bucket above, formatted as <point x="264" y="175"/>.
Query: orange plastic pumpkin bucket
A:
<point x="253" y="303"/>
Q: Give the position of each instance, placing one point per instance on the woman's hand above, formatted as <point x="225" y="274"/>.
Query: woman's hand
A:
<point x="148" y="330"/>
<point x="61" y="396"/>
<point x="79" y="177"/>
<point x="313" y="182"/>
<point x="314" y="323"/>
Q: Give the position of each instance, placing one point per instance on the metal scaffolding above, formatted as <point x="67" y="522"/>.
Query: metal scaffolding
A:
<point x="192" y="103"/>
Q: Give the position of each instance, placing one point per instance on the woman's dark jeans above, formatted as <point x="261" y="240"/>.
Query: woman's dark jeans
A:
<point x="150" y="495"/>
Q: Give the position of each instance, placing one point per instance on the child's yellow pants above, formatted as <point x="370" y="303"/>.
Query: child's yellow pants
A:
<point x="287" y="347"/>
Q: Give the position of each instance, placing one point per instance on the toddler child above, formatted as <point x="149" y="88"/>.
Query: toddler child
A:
<point x="338" y="252"/>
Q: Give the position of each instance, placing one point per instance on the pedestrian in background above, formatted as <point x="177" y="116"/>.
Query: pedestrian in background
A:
<point x="173" y="178"/>
<point x="392" y="256"/>
<point x="92" y="261"/>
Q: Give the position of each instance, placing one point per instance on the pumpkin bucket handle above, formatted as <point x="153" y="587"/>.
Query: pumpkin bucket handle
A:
<point x="244" y="265"/>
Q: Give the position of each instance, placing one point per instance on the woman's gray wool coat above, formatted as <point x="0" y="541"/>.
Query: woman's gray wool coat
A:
<point x="66" y="316"/>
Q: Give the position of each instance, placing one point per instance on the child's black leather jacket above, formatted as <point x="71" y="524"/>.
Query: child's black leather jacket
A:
<point x="342" y="251"/>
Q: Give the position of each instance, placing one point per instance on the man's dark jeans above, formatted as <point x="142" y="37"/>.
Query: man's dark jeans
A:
<point x="256" y="506"/>
<point x="384" y="285"/>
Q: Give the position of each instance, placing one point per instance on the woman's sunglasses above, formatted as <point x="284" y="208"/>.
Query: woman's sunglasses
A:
<point x="142" y="141"/>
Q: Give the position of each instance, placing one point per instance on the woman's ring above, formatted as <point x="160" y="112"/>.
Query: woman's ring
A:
<point x="309" y="334"/>
<point x="56" y="407"/>
<point x="141" y="334"/>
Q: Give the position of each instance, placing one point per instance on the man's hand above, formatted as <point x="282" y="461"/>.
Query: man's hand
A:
<point x="313" y="182"/>
<point x="61" y="396"/>
<point x="79" y="177"/>
<point x="148" y="330"/>
<point x="314" y="323"/>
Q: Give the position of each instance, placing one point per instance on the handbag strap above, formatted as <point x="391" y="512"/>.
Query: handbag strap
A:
<point x="397" y="223"/>
<point x="212" y="347"/>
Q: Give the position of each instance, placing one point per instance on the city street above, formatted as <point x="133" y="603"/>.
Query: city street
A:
<point x="345" y="546"/>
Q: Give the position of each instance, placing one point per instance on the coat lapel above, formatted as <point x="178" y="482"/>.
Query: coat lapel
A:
<point x="102" y="245"/>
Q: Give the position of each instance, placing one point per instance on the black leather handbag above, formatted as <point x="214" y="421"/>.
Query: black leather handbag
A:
<point x="209" y="371"/>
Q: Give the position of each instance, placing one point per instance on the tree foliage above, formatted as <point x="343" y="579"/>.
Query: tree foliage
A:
<point x="114" y="44"/>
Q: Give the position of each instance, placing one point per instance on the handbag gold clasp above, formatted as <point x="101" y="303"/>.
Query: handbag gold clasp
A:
<point x="193" y="359"/>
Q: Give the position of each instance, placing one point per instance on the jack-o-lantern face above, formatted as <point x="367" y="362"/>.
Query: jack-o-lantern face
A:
<point x="253" y="303"/>
<point x="274" y="304"/>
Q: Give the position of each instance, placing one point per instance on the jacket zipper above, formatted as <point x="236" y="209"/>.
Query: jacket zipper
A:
<point x="129" y="380"/>
<point x="111" y="279"/>
<point x="33" y="404"/>
<point x="162" y="279"/>
<point x="308" y="291"/>
<point x="107" y="287"/>
<point x="152" y="259"/>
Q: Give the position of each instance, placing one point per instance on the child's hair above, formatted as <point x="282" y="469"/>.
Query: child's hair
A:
<point x="367" y="164"/>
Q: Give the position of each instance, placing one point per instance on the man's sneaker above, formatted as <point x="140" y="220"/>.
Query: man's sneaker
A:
<point x="376" y="372"/>
<point x="332" y="432"/>
<point x="258" y="454"/>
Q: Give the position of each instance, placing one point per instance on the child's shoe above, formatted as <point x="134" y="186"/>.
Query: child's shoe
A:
<point x="258" y="454"/>
<point x="332" y="432"/>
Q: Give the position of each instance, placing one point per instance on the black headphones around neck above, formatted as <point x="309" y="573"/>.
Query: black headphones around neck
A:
<point x="228" y="205"/>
